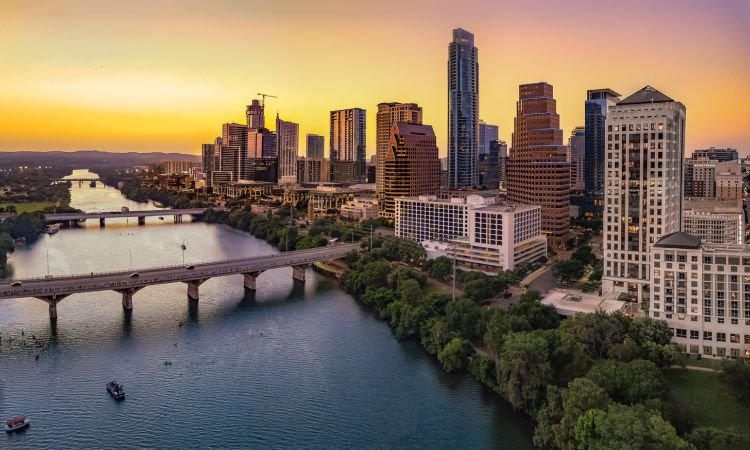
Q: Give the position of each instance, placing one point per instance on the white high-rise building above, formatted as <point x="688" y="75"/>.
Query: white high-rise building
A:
<point x="643" y="186"/>
<point x="287" y="141"/>
<point x="702" y="291"/>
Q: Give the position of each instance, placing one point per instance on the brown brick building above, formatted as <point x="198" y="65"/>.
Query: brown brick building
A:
<point x="412" y="166"/>
<point x="538" y="173"/>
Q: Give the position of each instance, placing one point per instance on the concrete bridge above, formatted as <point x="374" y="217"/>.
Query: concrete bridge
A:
<point x="70" y="218"/>
<point x="54" y="289"/>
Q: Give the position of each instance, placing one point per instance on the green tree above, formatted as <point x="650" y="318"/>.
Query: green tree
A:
<point x="735" y="374"/>
<point x="570" y="270"/>
<point x="633" y="382"/>
<point x="580" y="396"/>
<point x="464" y="317"/>
<point x="525" y="370"/>
<point x="626" y="427"/>
<point x="453" y="356"/>
<point x="441" y="268"/>
<point x="709" y="438"/>
<point x="585" y="255"/>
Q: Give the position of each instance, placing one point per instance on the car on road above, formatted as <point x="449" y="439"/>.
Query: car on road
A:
<point x="16" y="283"/>
<point x="190" y="267"/>
<point x="135" y="275"/>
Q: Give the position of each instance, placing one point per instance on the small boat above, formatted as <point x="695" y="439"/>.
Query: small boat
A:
<point x="16" y="423"/>
<point x="116" y="390"/>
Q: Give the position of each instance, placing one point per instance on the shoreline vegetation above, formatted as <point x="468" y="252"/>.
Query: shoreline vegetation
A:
<point x="594" y="381"/>
<point x="26" y="194"/>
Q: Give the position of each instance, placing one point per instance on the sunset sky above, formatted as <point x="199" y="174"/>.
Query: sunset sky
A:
<point x="164" y="75"/>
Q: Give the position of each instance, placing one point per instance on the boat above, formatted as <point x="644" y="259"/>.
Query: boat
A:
<point x="116" y="390"/>
<point x="53" y="228"/>
<point x="16" y="423"/>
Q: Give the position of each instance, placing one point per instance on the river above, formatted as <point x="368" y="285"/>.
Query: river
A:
<point x="294" y="365"/>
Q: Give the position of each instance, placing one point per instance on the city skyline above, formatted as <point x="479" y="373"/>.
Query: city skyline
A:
<point x="137" y="87"/>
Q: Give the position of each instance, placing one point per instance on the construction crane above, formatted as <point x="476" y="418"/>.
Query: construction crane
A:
<point x="263" y="96"/>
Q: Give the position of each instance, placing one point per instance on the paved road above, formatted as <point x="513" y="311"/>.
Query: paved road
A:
<point x="62" y="286"/>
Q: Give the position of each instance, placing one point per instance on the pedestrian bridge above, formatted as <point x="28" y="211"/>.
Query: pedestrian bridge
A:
<point x="70" y="218"/>
<point x="53" y="289"/>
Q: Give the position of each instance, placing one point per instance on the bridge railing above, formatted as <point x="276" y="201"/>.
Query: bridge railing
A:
<point x="146" y="270"/>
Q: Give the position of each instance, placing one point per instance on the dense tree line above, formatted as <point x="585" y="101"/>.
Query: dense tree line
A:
<point x="35" y="185"/>
<point x="593" y="381"/>
<point x="136" y="186"/>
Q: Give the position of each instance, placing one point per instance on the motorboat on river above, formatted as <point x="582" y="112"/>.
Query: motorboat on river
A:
<point x="116" y="390"/>
<point x="16" y="423"/>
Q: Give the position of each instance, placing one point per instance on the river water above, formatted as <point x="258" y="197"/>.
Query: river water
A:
<point x="293" y="366"/>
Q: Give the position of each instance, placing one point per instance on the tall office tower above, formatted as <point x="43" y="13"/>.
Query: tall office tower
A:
<point x="231" y="162"/>
<point x="348" y="139"/>
<point x="463" y="110"/>
<point x="598" y="102"/>
<point x="538" y="173"/>
<point x="287" y="142"/>
<point x="643" y="198"/>
<point x="218" y="142"/>
<point x="388" y="114"/>
<point x="255" y="116"/>
<point x="235" y="135"/>
<point x="488" y="166"/>
<point x="716" y="154"/>
<point x="577" y="158"/>
<point x="487" y="134"/>
<point x="315" y="146"/>
<point x="411" y="167"/>
<point x="208" y="157"/>
<point x="261" y="143"/>
<point x="502" y="158"/>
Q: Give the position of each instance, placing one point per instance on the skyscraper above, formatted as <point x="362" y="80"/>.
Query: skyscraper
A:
<point x="643" y="197"/>
<point x="597" y="103"/>
<point x="489" y="166"/>
<point x="207" y="157"/>
<point x="538" y="172"/>
<point x="315" y="146"/>
<point x="487" y="134"/>
<point x="287" y="141"/>
<point x="577" y="158"/>
<point x="502" y="157"/>
<point x="255" y="116"/>
<point x="411" y="167"/>
<point x="387" y="115"/>
<point x="234" y="138"/>
<point x="463" y="110"/>
<point x="348" y="139"/>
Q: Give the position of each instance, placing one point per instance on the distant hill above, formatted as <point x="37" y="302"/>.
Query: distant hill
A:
<point x="88" y="159"/>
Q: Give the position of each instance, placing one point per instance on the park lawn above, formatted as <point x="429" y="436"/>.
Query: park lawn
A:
<point x="709" y="402"/>
<point x="27" y="207"/>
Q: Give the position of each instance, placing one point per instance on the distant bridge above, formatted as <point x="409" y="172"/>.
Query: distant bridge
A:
<point x="53" y="289"/>
<point x="70" y="218"/>
<point x="80" y="179"/>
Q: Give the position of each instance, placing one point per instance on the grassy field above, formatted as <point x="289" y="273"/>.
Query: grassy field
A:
<point x="709" y="402"/>
<point x="27" y="207"/>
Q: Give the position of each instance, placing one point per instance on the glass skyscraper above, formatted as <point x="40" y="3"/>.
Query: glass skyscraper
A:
<point x="597" y="103"/>
<point x="463" y="110"/>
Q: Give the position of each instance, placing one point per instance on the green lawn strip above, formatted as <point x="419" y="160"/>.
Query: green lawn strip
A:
<point x="707" y="400"/>
<point x="27" y="207"/>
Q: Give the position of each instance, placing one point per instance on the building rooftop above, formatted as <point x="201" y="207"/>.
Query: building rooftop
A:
<point x="678" y="240"/>
<point x="646" y="95"/>
<point x="509" y="208"/>
<point x="569" y="303"/>
<point x="698" y="205"/>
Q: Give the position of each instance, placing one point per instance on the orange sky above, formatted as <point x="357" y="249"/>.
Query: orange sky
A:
<point x="164" y="75"/>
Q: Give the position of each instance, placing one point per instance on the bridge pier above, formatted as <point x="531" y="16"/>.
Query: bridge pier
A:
<point x="101" y="222"/>
<point x="192" y="289"/>
<point x="249" y="279"/>
<point x="127" y="297"/>
<point x="52" y="301"/>
<point x="298" y="272"/>
<point x="141" y="220"/>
